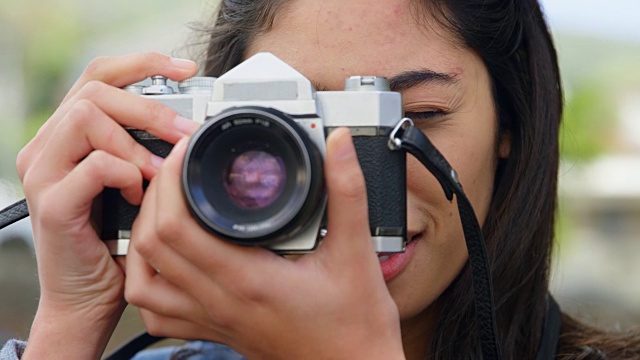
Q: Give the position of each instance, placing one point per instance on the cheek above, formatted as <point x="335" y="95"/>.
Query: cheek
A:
<point x="442" y="252"/>
<point x="476" y="167"/>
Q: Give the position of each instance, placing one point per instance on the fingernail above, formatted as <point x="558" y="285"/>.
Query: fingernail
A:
<point x="183" y="63"/>
<point x="184" y="125"/>
<point x="156" y="161"/>
<point x="343" y="145"/>
<point x="180" y="145"/>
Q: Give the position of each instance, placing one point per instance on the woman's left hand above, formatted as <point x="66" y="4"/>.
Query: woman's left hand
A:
<point x="332" y="303"/>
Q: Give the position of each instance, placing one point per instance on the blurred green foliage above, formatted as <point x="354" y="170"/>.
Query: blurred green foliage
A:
<point x="595" y="72"/>
<point x="50" y="38"/>
<point x="52" y="35"/>
<point x="587" y="125"/>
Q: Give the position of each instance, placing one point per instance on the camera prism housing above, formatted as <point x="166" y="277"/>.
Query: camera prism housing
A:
<point x="253" y="172"/>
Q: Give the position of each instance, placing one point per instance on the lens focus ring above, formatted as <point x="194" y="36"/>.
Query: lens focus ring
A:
<point x="253" y="176"/>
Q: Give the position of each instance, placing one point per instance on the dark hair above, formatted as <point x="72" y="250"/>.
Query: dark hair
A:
<point x="512" y="38"/>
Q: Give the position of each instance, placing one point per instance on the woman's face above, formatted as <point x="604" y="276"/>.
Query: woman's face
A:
<point x="447" y="92"/>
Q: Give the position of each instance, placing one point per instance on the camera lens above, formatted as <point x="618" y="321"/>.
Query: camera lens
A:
<point x="255" y="179"/>
<point x="252" y="176"/>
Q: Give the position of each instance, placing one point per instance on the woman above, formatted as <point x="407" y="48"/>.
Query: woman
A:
<point x="480" y="78"/>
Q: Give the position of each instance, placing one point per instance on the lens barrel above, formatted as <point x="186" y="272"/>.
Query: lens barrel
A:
<point x="252" y="176"/>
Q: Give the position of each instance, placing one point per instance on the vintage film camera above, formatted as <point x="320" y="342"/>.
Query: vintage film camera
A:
<point x="253" y="172"/>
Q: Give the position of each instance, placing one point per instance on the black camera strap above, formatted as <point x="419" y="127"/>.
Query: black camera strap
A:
<point x="414" y="141"/>
<point x="407" y="137"/>
<point x="13" y="213"/>
<point x="134" y="346"/>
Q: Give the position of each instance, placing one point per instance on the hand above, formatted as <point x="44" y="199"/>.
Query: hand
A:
<point x="81" y="149"/>
<point x="329" y="304"/>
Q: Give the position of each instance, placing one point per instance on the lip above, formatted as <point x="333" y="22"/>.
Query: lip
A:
<point x="394" y="265"/>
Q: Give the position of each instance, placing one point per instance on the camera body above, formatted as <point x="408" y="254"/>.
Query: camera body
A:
<point x="253" y="172"/>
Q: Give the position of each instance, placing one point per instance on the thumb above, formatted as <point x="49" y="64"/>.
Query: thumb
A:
<point x="348" y="234"/>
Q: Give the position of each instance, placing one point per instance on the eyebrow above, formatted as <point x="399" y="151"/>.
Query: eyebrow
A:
<point x="409" y="79"/>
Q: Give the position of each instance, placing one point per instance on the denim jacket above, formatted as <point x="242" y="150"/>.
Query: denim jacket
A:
<point x="13" y="350"/>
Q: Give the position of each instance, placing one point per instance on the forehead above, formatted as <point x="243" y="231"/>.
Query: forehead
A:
<point x="330" y="40"/>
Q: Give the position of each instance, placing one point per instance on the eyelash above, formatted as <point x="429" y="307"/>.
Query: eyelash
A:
<point x="425" y="115"/>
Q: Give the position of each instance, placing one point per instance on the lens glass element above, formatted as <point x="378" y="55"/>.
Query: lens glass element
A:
<point x="254" y="179"/>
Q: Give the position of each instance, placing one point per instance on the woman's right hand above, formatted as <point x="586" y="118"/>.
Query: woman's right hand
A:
<point x="80" y="150"/>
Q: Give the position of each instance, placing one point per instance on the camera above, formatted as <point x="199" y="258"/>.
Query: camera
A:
<point x="253" y="172"/>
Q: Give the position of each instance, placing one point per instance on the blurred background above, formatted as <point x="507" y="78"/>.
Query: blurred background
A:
<point x="44" y="46"/>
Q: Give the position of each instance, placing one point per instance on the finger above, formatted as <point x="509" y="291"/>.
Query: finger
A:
<point x="125" y="108"/>
<point x="176" y="328"/>
<point x="120" y="71"/>
<point x="91" y="129"/>
<point x="163" y="306"/>
<point x="152" y="256"/>
<point x="347" y="210"/>
<point x="132" y="110"/>
<point x="179" y="230"/>
<point x="116" y="71"/>
<point x="147" y="289"/>
<point x="166" y="286"/>
<point x="97" y="171"/>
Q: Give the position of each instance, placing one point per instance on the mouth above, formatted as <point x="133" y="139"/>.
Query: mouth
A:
<point x="392" y="264"/>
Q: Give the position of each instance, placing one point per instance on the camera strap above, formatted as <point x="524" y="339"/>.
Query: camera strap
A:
<point x="411" y="139"/>
<point x="13" y="213"/>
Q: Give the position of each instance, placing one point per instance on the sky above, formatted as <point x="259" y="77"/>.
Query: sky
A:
<point x="617" y="19"/>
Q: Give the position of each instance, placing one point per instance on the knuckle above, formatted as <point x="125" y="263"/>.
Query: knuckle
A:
<point x="145" y="245"/>
<point x="158" y="331"/>
<point x="91" y="89"/>
<point x="132" y="294"/>
<point x="95" y="66"/>
<point x="218" y="315"/>
<point x="154" y="324"/>
<point x="247" y="284"/>
<point x="83" y="109"/>
<point x="158" y="114"/>
<point x="79" y="115"/>
<point x="250" y="290"/>
<point x="32" y="183"/>
<point x="154" y="330"/>
<point x="169" y="227"/>
<point x="136" y="294"/>
<point x="23" y="161"/>
<point x="96" y="160"/>
<point x="96" y="164"/>
<point x="156" y="55"/>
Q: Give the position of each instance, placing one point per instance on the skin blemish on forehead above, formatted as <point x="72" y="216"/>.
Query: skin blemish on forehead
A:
<point x="398" y="10"/>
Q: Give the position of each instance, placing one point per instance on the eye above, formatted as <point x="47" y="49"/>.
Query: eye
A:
<point x="431" y="114"/>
